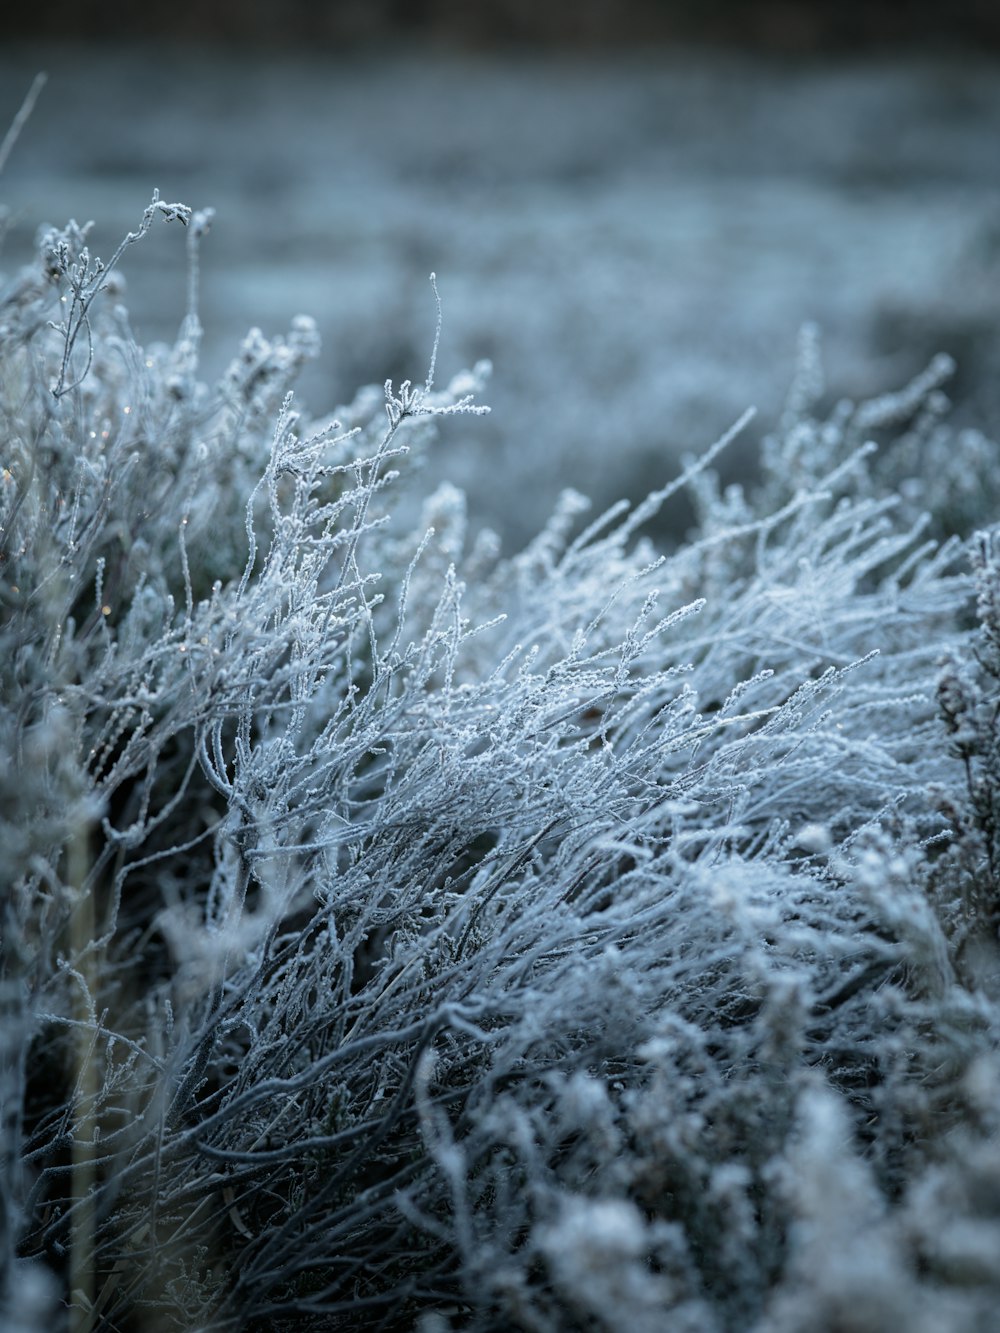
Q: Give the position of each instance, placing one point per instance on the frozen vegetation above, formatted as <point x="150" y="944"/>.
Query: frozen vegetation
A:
<point x="400" y="933"/>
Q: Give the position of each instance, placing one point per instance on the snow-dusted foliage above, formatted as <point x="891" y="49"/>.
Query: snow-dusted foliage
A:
<point x="395" y="935"/>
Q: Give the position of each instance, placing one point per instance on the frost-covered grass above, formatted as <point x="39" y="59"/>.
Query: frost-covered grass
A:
<point x="398" y="934"/>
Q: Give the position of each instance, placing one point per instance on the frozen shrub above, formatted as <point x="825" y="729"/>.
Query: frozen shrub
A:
<point x="391" y="932"/>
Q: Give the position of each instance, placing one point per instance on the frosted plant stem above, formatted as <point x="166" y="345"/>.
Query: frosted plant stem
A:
<point x="82" y="1283"/>
<point x="21" y="119"/>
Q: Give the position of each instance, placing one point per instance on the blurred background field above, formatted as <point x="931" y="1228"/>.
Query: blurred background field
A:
<point x="631" y="209"/>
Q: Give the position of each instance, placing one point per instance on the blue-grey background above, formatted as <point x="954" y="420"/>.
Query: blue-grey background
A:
<point x="632" y="231"/>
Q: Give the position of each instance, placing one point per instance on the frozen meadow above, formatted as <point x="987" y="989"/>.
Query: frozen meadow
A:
<point x="591" y="927"/>
<point x="633" y="242"/>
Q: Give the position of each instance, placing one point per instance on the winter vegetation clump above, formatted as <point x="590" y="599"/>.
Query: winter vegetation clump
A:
<point x="398" y="935"/>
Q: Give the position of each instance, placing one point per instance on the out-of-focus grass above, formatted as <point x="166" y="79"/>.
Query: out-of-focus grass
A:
<point x="634" y="241"/>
